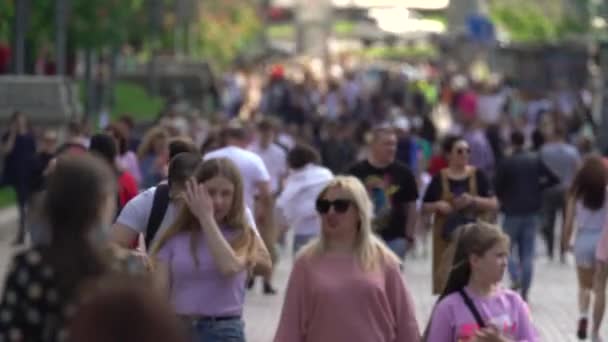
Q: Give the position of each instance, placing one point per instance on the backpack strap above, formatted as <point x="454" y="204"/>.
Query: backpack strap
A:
<point x="469" y="303"/>
<point x="157" y="213"/>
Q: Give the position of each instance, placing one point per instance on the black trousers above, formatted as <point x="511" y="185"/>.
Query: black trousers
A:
<point x="553" y="204"/>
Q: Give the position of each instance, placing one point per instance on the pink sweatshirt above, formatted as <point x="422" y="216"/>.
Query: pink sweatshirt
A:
<point x="330" y="298"/>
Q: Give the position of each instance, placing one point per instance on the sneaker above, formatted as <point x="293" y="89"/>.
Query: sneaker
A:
<point x="269" y="290"/>
<point x="250" y="283"/>
<point x="581" y="333"/>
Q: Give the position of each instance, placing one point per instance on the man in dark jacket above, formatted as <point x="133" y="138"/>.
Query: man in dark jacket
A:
<point x="520" y="181"/>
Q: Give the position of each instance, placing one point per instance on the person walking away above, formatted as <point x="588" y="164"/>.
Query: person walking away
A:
<point x="520" y="181"/>
<point x="457" y="195"/>
<point x="296" y="203"/>
<point x="563" y="160"/>
<point x="347" y="261"/>
<point x="105" y="147"/>
<point x="43" y="286"/>
<point x="152" y="211"/>
<point x="473" y="306"/>
<point x="599" y="283"/>
<point x="19" y="150"/>
<point x="586" y="209"/>
<point x="256" y="180"/>
<point x="275" y="161"/>
<point x="202" y="260"/>
<point x="392" y="188"/>
<point x="336" y="147"/>
<point x="153" y="157"/>
<point x="46" y="153"/>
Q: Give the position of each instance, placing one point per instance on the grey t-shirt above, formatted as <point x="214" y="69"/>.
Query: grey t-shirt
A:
<point x="562" y="159"/>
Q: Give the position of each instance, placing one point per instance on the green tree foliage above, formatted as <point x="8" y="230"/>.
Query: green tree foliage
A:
<point x="226" y="27"/>
<point x="540" y="21"/>
<point x="7" y="8"/>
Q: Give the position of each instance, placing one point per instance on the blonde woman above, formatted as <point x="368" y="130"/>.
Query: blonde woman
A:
<point x="346" y="285"/>
<point x="153" y="155"/>
<point x="204" y="257"/>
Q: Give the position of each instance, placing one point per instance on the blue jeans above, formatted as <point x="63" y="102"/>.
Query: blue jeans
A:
<point x="522" y="232"/>
<point x="398" y="246"/>
<point x="232" y="330"/>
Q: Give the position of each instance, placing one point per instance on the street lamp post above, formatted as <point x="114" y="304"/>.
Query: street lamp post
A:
<point x="20" y="25"/>
<point x="61" y="23"/>
<point x="156" y="12"/>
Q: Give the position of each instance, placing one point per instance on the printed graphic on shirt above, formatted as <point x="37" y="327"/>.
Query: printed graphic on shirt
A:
<point x="466" y="332"/>
<point x="381" y="191"/>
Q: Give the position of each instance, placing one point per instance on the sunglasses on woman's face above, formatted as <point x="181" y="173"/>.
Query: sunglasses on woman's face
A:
<point x="340" y="205"/>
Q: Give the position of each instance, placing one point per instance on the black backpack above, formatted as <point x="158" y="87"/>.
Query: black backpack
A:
<point x="160" y="204"/>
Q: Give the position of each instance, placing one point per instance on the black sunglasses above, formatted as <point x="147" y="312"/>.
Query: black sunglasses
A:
<point x="340" y="205"/>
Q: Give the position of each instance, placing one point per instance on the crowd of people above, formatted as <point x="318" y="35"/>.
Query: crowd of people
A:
<point x="161" y="237"/>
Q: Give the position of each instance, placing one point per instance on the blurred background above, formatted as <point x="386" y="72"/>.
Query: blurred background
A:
<point x="94" y="60"/>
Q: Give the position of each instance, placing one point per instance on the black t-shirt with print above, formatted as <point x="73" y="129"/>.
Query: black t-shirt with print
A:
<point x="458" y="187"/>
<point x="389" y="188"/>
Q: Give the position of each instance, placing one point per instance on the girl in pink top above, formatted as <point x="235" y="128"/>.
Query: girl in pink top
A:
<point x="346" y="286"/>
<point x="493" y="313"/>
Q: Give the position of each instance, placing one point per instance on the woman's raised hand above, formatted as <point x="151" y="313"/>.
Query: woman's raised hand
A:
<point x="198" y="200"/>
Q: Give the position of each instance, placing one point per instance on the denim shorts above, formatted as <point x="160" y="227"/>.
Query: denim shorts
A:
<point x="232" y="330"/>
<point x="585" y="246"/>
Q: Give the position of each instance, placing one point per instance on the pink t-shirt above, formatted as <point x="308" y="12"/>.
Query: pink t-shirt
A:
<point x="452" y="321"/>
<point x="331" y="298"/>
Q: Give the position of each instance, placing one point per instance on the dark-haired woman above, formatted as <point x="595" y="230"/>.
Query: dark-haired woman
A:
<point x="473" y="306"/>
<point x="44" y="284"/>
<point x="586" y="209"/>
<point x="458" y="194"/>
<point x="18" y="147"/>
<point x="105" y="147"/>
<point x="127" y="159"/>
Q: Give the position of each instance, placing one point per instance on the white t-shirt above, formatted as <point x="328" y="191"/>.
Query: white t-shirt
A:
<point x="275" y="159"/>
<point x="136" y="213"/>
<point x="251" y="166"/>
<point x="490" y="107"/>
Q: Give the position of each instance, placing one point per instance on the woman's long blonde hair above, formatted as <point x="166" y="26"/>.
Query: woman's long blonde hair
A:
<point x="236" y="220"/>
<point x="370" y="251"/>
<point x="148" y="141"/>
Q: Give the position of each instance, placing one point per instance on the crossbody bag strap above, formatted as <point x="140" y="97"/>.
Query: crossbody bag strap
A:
<point x="469" y="303"/>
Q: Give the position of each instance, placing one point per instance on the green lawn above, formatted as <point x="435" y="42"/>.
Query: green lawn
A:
<point x="7" y="197"/>
<point x="288" y="31"/>
<point x="132" y="99"/>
